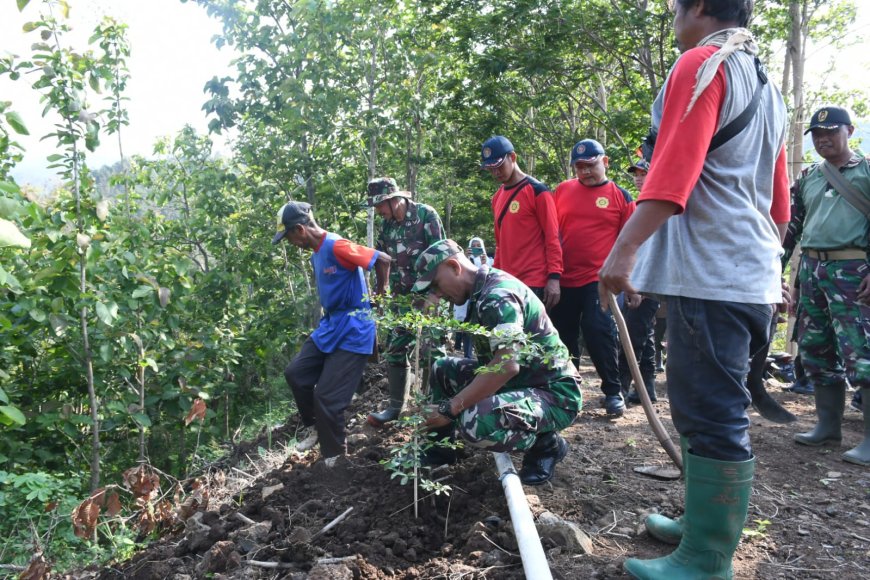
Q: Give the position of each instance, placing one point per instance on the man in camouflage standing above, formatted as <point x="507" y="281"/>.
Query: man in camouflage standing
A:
<point x="831" y="209"/>
<point x="408" y="228"/>
<point x="529" y="390"/>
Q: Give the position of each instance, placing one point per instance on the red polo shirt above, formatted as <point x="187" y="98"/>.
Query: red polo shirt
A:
<point x="526" y="232"/>
<point x="590" y="219"/>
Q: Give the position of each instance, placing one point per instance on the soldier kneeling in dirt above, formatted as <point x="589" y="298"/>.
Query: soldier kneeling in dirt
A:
<point x="529" y="389"/>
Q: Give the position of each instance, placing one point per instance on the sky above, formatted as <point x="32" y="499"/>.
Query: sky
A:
<point x="172" y="57"/>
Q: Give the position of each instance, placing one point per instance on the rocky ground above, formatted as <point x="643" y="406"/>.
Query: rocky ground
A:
<point x="809" y="515"/>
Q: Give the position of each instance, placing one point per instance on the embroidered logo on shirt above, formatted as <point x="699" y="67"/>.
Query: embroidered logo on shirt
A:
<point x="330" y="270"/>
<point x="602" y="202"/>
<point x="515" y="206"/>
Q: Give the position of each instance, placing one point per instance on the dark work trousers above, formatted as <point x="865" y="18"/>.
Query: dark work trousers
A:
<point x="661" y="329"/>
<point x="579" y="309"/>
<point x="323" y="385"/>
<point x="641" y="330"/>
<point x="755" y="377"/>
<point x="709" y="346"/>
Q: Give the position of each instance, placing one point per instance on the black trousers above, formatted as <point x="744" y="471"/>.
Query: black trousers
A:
<point x="641" y="330"/>
<point x="323" y="385"/>
<point x="579" y="309"/>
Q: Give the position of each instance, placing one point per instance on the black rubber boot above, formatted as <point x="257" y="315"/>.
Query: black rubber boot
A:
<point x="861" y="454"/>
<point x="397" y="378"/>
<point x="650" y="382"/>
<point x="857" y="401"/>
<point x="830" y="402"/>
<point x="539" y="462"/>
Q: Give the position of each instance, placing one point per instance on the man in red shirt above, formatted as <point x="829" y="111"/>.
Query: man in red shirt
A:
<point x="526" y="233"/>
<point x="591" y="210"/>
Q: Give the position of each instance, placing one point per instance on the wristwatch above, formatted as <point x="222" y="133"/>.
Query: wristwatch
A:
<point x="444" y="409"/>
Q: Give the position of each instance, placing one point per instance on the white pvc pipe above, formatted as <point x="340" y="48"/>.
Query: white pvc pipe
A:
<point x="532" y="553"/>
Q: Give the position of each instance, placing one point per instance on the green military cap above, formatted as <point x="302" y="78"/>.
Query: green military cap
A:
<point x="382" y="189"/>
<point x="428" y="260"/>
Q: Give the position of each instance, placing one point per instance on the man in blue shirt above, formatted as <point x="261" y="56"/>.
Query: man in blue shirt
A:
<point x="325" y="373"/>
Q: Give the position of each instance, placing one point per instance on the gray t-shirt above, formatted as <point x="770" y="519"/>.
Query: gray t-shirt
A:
<point x="725" y="245"/>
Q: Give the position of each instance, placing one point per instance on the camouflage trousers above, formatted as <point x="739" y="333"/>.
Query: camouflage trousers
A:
<point x="506" y="421"/>
<point x="399" y="350"/>
<point x="834" y="330"/>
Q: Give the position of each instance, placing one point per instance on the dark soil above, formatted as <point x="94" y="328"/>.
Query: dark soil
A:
<point x="810" y="510"/>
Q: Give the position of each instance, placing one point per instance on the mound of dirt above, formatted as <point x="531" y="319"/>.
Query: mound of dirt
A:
<point x="809" y="516"/>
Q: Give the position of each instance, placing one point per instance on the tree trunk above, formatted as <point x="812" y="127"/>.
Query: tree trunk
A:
<point x="799" y="17"/>
<point x="373" y="141"/>
<point x="92" y="392"/>
<point x="86" y="344"/>
<point x="645" y="55"/>
<point x="796" y="47"/>
<point x="140" y="378"/>
<point x="786" y="75"/>
<point x="448" y="213"/>
<point x="531" y="160"/>
<point x="309" y="173"/>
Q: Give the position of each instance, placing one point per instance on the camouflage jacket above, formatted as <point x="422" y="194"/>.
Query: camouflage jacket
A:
<point x="501" y="303"/>
<point x="404" y="241"/>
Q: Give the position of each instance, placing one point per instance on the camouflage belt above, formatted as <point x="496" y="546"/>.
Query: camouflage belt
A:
<point x="828" y="255"/>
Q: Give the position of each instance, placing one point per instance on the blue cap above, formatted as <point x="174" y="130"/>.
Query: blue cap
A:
<point x="586" y="151"/>
<point x="494" y="151"/>
<point x="638" y="165"/>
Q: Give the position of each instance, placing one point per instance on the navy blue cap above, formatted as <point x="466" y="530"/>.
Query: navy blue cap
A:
<point x="494" y="151"/>
<point x="586" y="151"/>
<point x="829" y="118"/>
<point x="639" y="164"/>
<point x="290" y="215"/>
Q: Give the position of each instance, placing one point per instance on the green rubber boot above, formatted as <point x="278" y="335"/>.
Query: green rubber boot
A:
<point x="830" y="401"/>
<point x="861" y="454"/>
<point x="663" y="528"/>
<point x="397" y="379"/>
<point x="717" y="500"/>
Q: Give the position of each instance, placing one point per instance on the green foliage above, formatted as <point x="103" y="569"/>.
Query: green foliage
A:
<point x="34" y="514"/>
<point x="404" y="461"/>
<point x="163" y="266"/>
<point x="759" y="531"/>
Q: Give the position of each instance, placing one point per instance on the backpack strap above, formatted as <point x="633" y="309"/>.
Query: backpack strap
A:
<point x="519" y="186"/>
<point x="848" y="191"/>
<point x="737" y="125"/>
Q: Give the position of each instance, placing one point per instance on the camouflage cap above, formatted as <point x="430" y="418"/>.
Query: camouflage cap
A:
<point x="428" y="261"/>
<point x="383" y="188"/>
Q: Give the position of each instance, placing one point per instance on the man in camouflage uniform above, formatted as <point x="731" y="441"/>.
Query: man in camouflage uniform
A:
<point x="408" y="228"/>
<point x="529" y="389"/>
<point x="834" y="280"/>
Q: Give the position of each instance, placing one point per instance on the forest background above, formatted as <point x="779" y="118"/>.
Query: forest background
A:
<point x="144" y="316"/>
